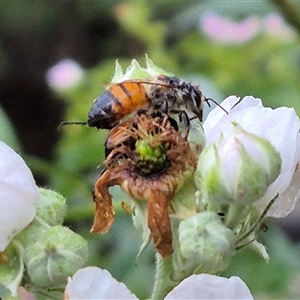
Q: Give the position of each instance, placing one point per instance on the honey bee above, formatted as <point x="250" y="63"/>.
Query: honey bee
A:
<point x="165" y="94"/>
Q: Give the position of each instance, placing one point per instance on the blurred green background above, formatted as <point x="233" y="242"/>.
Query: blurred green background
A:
<point x="229" y="48"/>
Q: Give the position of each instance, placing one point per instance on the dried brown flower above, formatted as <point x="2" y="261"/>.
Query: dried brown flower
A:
<point x="149" y="159"/>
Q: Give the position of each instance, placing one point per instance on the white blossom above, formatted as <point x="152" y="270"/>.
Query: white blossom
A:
<point x="95" y="283"/>
<point x="205" y="286"/>
<point x="18" y="194"/>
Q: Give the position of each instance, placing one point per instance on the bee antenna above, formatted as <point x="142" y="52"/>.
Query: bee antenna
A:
<point x="71" y="123"/>
<point x="215" y="102"/>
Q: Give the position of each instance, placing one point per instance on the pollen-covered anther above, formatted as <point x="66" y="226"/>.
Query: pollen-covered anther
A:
<point x="149" y="159"/>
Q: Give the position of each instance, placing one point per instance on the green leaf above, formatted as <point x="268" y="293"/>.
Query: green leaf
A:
<point x="7" y="132"/>
<point x="271" y="280"/>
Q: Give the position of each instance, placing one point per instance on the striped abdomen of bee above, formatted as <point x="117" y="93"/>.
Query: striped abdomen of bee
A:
<point x="118" y="101"/>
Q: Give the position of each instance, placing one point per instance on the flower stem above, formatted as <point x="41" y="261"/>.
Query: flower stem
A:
<point x="231" y="217"/>
<point x="259" y="221"/>
<point x="163" y="277"/>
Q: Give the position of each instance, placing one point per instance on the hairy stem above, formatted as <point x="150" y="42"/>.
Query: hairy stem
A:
<point x="163" y="277"/>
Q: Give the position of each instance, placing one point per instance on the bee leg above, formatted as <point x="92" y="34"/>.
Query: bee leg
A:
<point x="169" y="119"/>
<point x="183" y="117"/>
<point x="141" y="112"/>
<point x="165" y="119"/>
<point x="198" y="114"/>
<point x="165" y="107"/>
<point x="93" y="193"/>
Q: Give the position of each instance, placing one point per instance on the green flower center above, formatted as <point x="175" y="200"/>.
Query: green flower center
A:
<point x="150" y="160"/>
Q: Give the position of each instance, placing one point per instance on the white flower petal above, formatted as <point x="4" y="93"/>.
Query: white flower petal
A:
<point x="286" y="201"/>
<point x="232" y="104"/>
<point x="95" y="283"/>
<point x="18" y="194"/>
<point x="205" y="286"/>
<point x="251" y="118"/>
<point x="285" y="137"/>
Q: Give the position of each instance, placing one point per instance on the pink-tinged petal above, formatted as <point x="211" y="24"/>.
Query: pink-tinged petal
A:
<point x="275" y="25"/>
<point x="24" y="294"/>
<point x="96" y="283"/>
<point x="18" y="194"/>
<point x="205" y="286"/>
<point x="224" y="30"/>
<point x="65" y="74"/>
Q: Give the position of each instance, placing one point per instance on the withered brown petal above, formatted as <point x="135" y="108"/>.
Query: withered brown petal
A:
<point x="104" y="211"/>
<point x="122" y="163"/>
<point x="159" y="222"/>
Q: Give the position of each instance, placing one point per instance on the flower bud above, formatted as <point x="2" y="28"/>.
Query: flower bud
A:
<point x="237" y="169"/>
<point x="59" y="254"/>
<point x="281" y="128"/>
<point x="206" y="244"/>
<point x="51" y="208"/>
